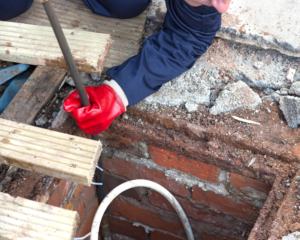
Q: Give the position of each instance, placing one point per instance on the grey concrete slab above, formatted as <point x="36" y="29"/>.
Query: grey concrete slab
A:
<point x="269" y="24"/>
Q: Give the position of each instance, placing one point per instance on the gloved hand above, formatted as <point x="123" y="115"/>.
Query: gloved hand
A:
<point x="105" y="105"/>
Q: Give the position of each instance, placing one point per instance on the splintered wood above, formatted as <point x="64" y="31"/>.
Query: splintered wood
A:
<point x="37" y="45"/>
<point x="24" y="219"/>
<point x="48" y="152"/>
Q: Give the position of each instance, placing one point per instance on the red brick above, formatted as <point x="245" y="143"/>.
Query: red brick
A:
<point x="111" y="182"/>
<point x="78" y="190"/>
<point x="240" y="182"/>
<point x="137" y="171"/>
<point x="171" y="160"/>
<point x="115" y="236"/>
<point x="226" y="204"/>
<point x="126" y="228"/>
<point x="87" y="220"/>
<point x="139" y="214"/>
<point x="192" y="211"/>
<point x="205" y="236"/>
<point x="158" y="235"/>
<point x="60" y="193"/>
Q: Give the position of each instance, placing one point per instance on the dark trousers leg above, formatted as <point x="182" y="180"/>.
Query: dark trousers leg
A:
<point x="118" y="8"/>
<point x="187" y="33"/>
<point x="12" y="8"/>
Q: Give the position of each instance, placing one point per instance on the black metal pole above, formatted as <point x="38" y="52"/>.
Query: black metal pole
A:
<point x="60" y="36"/>
<point x="83" y="97"/>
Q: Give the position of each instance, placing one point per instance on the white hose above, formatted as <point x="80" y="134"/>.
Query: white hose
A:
<point x="139" y="183"/>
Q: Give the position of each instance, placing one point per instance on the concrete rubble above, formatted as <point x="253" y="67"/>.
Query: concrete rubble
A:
<point x="295" y="89"/>
<point x="290" y="106"/>
<point x="251" y="57"/>
<point x="187" y="87"/>
<point x="292" y="236"/>
<point x="88" y="80"/>
<point x="234" y="96"/>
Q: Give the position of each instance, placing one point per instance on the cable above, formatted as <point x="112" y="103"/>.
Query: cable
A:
<point x="139" y="183"/>
<point x="96" y="183"/>
<point x="99" y="168"/>
<point x="81" y="238"/>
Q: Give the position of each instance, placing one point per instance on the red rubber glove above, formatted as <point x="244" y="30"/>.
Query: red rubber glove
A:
<point x="105" y="105"/>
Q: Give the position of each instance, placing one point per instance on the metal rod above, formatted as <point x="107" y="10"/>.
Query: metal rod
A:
<point x="66" y="52"/>
<point x="83" y="98"/>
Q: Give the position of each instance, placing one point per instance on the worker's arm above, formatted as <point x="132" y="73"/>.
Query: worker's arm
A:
<point x="187" y="33"/>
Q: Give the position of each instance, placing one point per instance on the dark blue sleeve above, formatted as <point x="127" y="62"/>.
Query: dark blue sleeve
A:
<point x="12" y="8"/>
<point x="187" y="33"/>
<point x="117" y="8"/>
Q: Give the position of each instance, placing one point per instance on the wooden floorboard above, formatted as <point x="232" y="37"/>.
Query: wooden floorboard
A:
<point x="73" y="14"/>
<point x="24" y="219"/>
<point x="35" y="93"/>
<point x="48" y="152"/>
<point x="37" y="45"/>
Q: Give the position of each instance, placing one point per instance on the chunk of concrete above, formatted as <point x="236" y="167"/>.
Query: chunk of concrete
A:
<point x="290" y="74"/>
<point x="87" y="81"/>
<point x="290" y="106"/>
<point x="41" y="121"/>
<point x="274" y="97"/>
<point x="258" y="65"/>
<point x="187" y="87"/>
<point x="295" y="89"/>
<point x="262" y="80"/>
<point x="234" y="96"/>
<point x="292" y="236"/>
<point x="191" y="106"/>
<point x="254" y="22"/>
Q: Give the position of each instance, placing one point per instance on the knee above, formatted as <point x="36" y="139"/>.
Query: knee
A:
<point x="128" y="8"/>
<point x="13" y="8"/>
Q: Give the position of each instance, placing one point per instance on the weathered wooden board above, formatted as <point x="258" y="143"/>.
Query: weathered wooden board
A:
<point x="48" y="152"/>
<point x="35" y="93"/>
<point x="24" y="219"/>
<point x="37" y="45"/>
<point x="73" y="14"/>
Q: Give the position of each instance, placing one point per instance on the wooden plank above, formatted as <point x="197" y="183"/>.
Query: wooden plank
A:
<point x="48" y="152"/>
<point x="35" y="93"/>
<point x="73" y="14"/>
<point x="24" y="219"/>
<point x="89" y="49"/>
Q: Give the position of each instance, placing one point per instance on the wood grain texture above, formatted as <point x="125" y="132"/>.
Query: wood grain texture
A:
<point x="126" y="34"/>
<point x="24" y="219"/>
<point x="48" y="152"/>
<point x="35" y="93"/>
<point x="37" y="45"/>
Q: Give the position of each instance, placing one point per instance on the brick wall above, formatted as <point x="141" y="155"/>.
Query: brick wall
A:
<point x="218" y="203"/>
